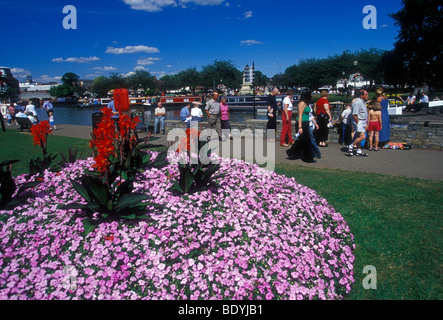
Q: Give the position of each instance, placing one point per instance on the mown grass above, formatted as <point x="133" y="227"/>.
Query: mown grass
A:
<point x="15" y="145"/>
<point x="397" y="224"/>
<point x="396" y="221"/>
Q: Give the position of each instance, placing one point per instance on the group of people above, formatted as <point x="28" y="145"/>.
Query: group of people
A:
<point x="309" y="120"/>
<point x="217" y="113"/>
<point x="360" y="122"/>
<point x="26" y="109"/>
<point x="412" y="106"/>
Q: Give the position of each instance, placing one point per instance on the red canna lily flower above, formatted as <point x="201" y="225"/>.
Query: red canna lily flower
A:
<point x="39" y="133"/>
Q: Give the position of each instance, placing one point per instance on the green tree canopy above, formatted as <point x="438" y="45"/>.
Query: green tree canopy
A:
<point x="101" y="86"/>
<point x="189" y="78"/>
<point x="141" y="79"/>
<point x="118" y="81"/>
<point x="68" y="88"/>
<point x="315" y="73"/>
<point x="62" y="91"/>
<point x="419" y="43"/>
<point x="70" y="79"/>
<point x="221" y="72"/>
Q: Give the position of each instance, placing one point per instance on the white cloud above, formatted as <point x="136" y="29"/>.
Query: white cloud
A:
<point x="247" y="15"/>
<point x="19" y="73"/>
<point x="126" y="75"/>
<point x="141" y="68"/>
<point x="105" y="68"/>
<point x="77" y="60"/>
<point x="250" y="42"/>
<point x="147" y="61"/>
<point x="132" y="49"/>
<point x="159" y="5"/>
<point x="47" y="78"/>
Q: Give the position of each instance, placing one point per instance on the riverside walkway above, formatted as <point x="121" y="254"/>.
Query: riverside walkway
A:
<point x="414" y="163"/>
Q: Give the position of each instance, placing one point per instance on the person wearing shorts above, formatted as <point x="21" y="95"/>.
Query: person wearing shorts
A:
<point x="359" y="123"/>
<point x="375" y="125"/>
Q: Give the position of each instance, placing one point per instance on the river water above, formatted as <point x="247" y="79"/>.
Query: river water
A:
<point x="83" y="116"/>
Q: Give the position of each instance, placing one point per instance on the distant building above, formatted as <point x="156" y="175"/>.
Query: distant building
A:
<point x="8" y="81"/>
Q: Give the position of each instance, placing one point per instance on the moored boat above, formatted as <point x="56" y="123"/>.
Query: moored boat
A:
<point x="246" y="102"/>
<point x="180" y="100"/>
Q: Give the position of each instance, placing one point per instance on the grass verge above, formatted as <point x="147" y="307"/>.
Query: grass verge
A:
<point x="397" y="224"/>
<point x="19" y="145"/>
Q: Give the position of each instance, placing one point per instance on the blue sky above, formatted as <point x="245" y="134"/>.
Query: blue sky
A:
<point x="168" y="36"/>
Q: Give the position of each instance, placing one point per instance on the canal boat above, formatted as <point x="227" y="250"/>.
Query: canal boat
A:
<point x="179" y="101"/>
<point x="246" y="102"/>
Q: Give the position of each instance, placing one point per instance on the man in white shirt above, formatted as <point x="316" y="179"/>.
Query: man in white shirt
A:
<point x="359" y="123"/>
<point x="48" y="106"/>
<point x="160" y="114"/>
<point x="424" y="98"/>
<point x="31" y="108"/>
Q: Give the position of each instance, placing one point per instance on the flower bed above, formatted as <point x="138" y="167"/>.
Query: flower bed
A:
<point x="260" y="236"/>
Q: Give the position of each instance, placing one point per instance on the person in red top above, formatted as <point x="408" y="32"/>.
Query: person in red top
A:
<point x="11" y="109"/>
<point x="323" y="118"/>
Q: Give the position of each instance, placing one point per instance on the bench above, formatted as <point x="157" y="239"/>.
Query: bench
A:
<point x="24" y="123"/>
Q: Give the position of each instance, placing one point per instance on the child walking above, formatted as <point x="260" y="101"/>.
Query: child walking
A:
<point x="375" y="125"/>
<point x="8" y="117"/>
<point x="51" y="120"/>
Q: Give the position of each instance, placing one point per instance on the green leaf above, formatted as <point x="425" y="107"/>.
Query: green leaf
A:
<point x="130" y="216"/>
<point x="130" y="200"/>
<point x="73" y="205"/>
<point x="110" y="205"/>
<point x="97" y="190"/>
<point x="28" y="185"/>
<point x="88" y="226"/>
<point x="81" y="190"/>
<point x="125" y="187"/>
<point x="92" y="206"/>
<point x="8" y="162"/>
<point x="189" y="180"/>
<point x="210" y="171"/>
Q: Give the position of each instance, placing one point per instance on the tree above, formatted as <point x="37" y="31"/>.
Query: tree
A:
<point x="315" y="73"/>
<point x="221" y="72"/>
<point x="168" y="82"/>
<point x="70" y="79"/>
<point x="394" y="70"/>
<point x="101" y="86"/>
<point x="141" y="79"/>
<point x="117" y="81"/>
<point x="63" y="90"/>
<point x="418" y="44"/>
<point x="189" y="78"/>
<point x="260" y="78"/>
<point x="67" y="88"/>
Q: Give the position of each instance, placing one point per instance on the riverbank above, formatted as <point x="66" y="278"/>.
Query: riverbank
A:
<point x="414" y="163"/>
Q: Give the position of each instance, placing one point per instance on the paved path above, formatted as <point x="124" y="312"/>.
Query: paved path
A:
<point x="417" y="163"/>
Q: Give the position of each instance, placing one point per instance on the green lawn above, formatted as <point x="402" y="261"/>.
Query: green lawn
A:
<point x="18" y="145"/>
<point x="396" y="221"/>
<point x="397" y="224"/>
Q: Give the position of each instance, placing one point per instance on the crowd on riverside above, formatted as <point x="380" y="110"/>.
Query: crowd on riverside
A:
<point x="28" y="109"/>
<point x="361" y="120"/>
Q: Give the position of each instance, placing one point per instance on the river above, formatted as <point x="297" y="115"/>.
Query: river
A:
<point x="83" y="116"/>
